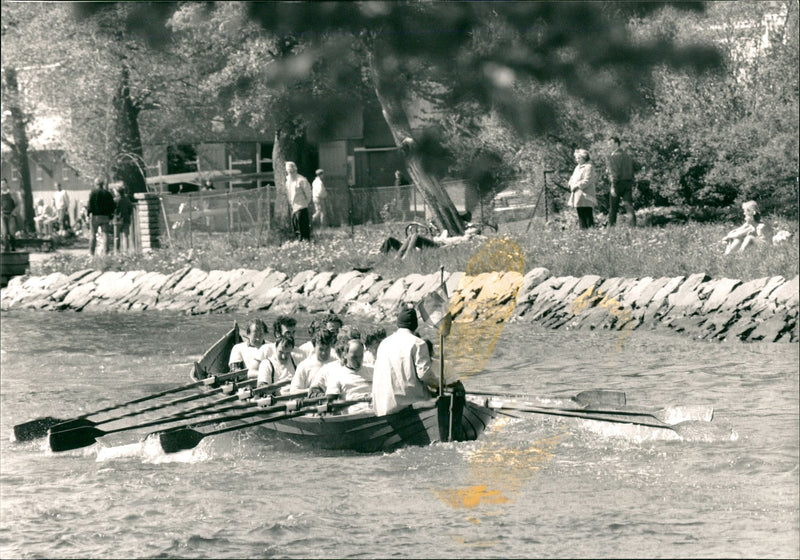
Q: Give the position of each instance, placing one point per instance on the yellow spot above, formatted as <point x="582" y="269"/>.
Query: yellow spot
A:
<point x="471" y="496"/>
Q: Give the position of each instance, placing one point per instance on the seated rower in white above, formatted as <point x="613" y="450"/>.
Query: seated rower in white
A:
<point x="322" y="341"/>
<point x="346" y="378"/>
<point x="248" y="354"/>
<point x="280" y="366"/>
<point x="319" y="383"/>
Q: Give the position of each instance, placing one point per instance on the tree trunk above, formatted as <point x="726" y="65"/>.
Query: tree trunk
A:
<point x="279" y="159"/>
<point x="128" y="160"/>
<point x="19" y="151"/>
<point x="432" y="191"/>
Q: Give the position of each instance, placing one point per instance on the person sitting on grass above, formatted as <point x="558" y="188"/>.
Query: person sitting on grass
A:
<point x="280" y="366"/>
<point x="44" y="219"/>
<point x="322" y="341"/>
<point x="248" y="354"/>
<point x="752" y="231"/>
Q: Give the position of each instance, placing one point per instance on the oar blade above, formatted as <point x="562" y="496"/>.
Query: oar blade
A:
<point x="179" y="440"/>
<point x="34" y="429"/>
<point x="74" y="439"/>
<point x="686" y="413"/>
<point x="601" y="398"/>
<point x="72" y="424"/>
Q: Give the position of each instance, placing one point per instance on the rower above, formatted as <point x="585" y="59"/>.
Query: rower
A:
<point x="280" y="366"/>
<point x="319" y="383"/>
<point x="346" y="377"/>
<point x="329" y="322"/>
<point x="248" y="354"/>
<point x="322" y="341"/>
<point x="402" y="367"/>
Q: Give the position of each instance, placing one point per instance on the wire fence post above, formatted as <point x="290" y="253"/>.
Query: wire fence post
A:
<point x="228" y="205"/>
<point x="191" y="239"/>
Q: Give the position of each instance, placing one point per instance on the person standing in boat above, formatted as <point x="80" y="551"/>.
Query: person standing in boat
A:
<point x="402" y="367"/>
<point x="248" y="354"/>
<point x="322" y="341"/>
<point x="346" y="378"/>
<point x="279" y="367"/>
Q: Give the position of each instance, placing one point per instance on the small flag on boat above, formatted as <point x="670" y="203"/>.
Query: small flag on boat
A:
<point x="434" y="309"/>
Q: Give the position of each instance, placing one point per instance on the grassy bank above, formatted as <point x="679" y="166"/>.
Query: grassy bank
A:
<point x="672" y="250"/>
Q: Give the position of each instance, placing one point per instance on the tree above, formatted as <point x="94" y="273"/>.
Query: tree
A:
<point x="15" y="136"/>
<point x="584" y="46"/>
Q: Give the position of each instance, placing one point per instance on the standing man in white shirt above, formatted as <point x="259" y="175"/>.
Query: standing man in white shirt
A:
<point x="299" y="192"/>
<point x="61" y="201"/>
<point x="402" y="367"/>
<point x="320" y="196"/>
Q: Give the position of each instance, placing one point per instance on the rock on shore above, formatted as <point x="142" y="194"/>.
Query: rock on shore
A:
<point x="765" y="309"/>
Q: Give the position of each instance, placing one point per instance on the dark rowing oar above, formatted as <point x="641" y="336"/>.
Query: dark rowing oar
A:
<point x="82" y="436"/>
<point x="669" y="415"/>
<point x="38" y="428"/>
<point x="180" y="439"/>
<point x="593" y="397"/>
<point x="85" y="422"/>
<point x="614" y="416"/>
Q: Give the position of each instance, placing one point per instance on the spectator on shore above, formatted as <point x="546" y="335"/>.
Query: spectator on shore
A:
<point x="320" y="196"/>
<point x="7" y="206"/>
<point x="100" y="210"/>
<point x="583" y="189"/>
<point x="61" y="203"/>
<point x="123" y="212"/>
<point x="299" y="192"/>
<point x="620" y="170"/>
<point x="753" y="231"/>
<point x="44" y="216"/>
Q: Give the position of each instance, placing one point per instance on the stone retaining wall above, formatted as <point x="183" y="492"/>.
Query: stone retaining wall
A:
<point x="765" y="309"/>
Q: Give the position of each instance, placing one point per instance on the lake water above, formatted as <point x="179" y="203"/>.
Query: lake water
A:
<point x="534" y="487"/>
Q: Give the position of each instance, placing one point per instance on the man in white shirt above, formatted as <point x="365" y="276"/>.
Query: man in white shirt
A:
<point x="306" y="370"/>
<point x="319" y="194"/>
<point x="61" y="201"/>
<point x="248" y="354"/>
<point x="402" y="367"/>
<point x="346" y="377"/>
<point x="299" y="192"/>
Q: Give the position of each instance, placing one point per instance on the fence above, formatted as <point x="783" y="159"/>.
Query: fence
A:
<point x="187" y="218"/>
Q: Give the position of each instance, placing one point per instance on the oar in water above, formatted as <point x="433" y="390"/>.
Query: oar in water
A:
<point x="669" y="415"/>
<point x="180" y="439"/>
<point x="85" y="422"/>
<point x="38" y="428"/>
<point x="592" y="397"/>
<point x="82" y="436"/>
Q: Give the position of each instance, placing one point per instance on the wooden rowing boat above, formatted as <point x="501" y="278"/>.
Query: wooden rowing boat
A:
<point x="447" y="418"/>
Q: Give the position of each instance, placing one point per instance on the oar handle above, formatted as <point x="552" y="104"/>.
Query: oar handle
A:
<point x="289" y="406"/>
<point x="213" y="381"/>
<point x="321" y="409"/>
<point x="199" y="411"/>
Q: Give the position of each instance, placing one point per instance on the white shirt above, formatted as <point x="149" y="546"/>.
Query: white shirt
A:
<point x="61" y="200"/>
<point x="318" y="189"/>
<point x="402" y="367"/>
<point x="250" y="355"/>
<point x="299" y="192"/>
<point x="346" y="383"/>
<point x="272" y="370"/>
<point x="304" y="351"/>
<point x="304" y="375"/>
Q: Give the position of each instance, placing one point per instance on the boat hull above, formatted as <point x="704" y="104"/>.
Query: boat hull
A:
<point x="447" y="418"/>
